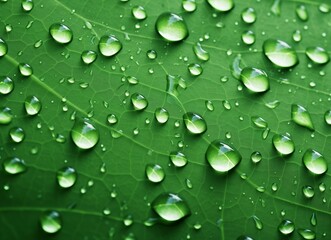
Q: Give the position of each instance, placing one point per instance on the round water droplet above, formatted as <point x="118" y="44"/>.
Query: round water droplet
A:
<point x="302" y="12"/>
<point x="61" y="33"/>
<point x="3" y="47"/>
<point x="8" y="28"/>
<point x="161" y="115"/>
<point x="248" y="37"/>
<point x="280" y="53"/>
<point x="327" y="117"/>
<point x="139" y="12"/>
<point x="51" y="221"/>
<point x="274" y="187"/>
<point x="256" y="157"/>
<point x="66" y="177"/>
<point x="296" y="36"/>
<point x="6" y="115"/>
<point x="32" y="105"/>
<point x="255" y="79"/>
<point x="307" y="234"/>
<point x="89" y="56"/>
<point x="248" y="15"/>
<point x="301" y="116"/>
<point x="171" y="27"/>
<point x="259" y="122"/>
<point x="317" y="54"/>
<point x="221" y="157"/>
<point x="178" y="159"/>
<point x="128" y="221"/>
<point x="17" y="134"/>
<point x="25" y="69"/>
<point x="314" y="162"/>
<point x="109" y="45"/>
<point x="14" y="165"/>
<point x="155" y="173"/>
<point x="84" y="134"/>
<point x="201" y="53"/>
<point x="195" y="69"/>
<point x="139" y="102"/>
<point x="112" y="119"/>
<point x="171" y="207"/>
<point x="286" y="227"/>
<point x="189" y="5"/>
<point x="151" y="54"/>
<point x="27" y="5"/>
<point x="6" y="85"/>
<point x="194" y="123"/>
<point x="308" y="191"/>
<point x="221" y="5"/>
<point x="283" y="144"/>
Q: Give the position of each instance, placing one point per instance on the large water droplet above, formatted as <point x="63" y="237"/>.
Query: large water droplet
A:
<point x="6" y="85"/>
<point x="61" y="33"/>
<point x="139" y="102"/>
<point x="317" y="54"/>
<point x="32" y="105"/>
<point x="14" y="165"/>
<point x="283" y="144"/>
<point x="109" y="45"/>
<point x="194" y="123"/>
<point x="51" y="221"/>
<point x="161" y="115"/>
<point x="248" y="37"/>
<point x="286" y="227"/>
<point x="171" y="207"/>
<point x="27" y="5"/>
<point x="280" y="53"/>
<point x="171" y="27"/>
<point x="201" y="53"/>
<point x="195" y="69"/>
<point x="25" y="69"/>
<point x="139" y="12"/>
<point x="307" y="234"/>
<point x="221" y="5"/>
<point x="17" y="134"/>
<point x="84" y="134"/>
<point x="189" y="5"/>
<point x="308" y="191"/>
<point x="6" y="115"/>
<point x="314" y="162"/>
<point x="66" y="177"/>
<point x="89" y="56"/>
<point x="255" y="79"/>
<point x="178" y="159"/>
<point x="248" y="15"/>
<point x="221" y="157"/>
<point x="154" y="173"/>
<point x="301" y="116"/>
<point x="3" y="47"/>
<point x="302" y="12"/>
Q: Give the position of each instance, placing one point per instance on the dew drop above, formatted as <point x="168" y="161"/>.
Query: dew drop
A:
<point x="256" y="157"/>
<point x="286" y="227"/>
<point x="200" y="53"/>
<point x="327" y="117"/>
<point x="314" y="162"/>
<point x="195" y="69"/>
<point x="25" y="69"/>
<point x="139" y="12"/>
<point x="154" y="173"/>
<point x="194" y="123"/>
<point x="84" y="134"/>
<point x="307" y="234"/>
<point x="322" y="187"/>
<point x="6" y="115"/>
<point x="308" y="191"/>
<point x="209" y="105"/>
<point x="318" y="55"/>
<point x="272" y="104"/>
<point x="248" y="37"/>
<point x="89" y="56"/>
<point x="324" y="8"/>
<point x="259" y="122"/>
<point x="66" y="177"/>
<point x="189" y="5"/>
<point x="112" y="119"/>
<point x="109" y="45"/>
<point x="313" y="219"/>
<point x="301" y="116"/>
<point x="8" y="28"/>
<point x="161" y="115"/>
<point x="32" y="105"/>
<point x="17" y="134"/>
<point x="258" y="223"/>
<point x="6" y="85"/>
<point x="302" y="12"/>
<point x="51" y="221"/>
<point x="255" y="79"/>
<point x="244" y="237"/>
<point x="27" y="5"/>
<point x="151" y="54"/>
<point x="61" y="33"/>
<point x="128" y="221"/>
<point x="296" y="36"/>
<point x="274" y="187"/>
<point x="275" y="8"/>
<point x="248" y="15"/>
<point x="139" y="102"/>
<point x="14" y="165"/>
<point x="283" y="144"/>
<point x="221" y="5"/>
<point x="188" y="183"/>
<point x="178" y="159"/>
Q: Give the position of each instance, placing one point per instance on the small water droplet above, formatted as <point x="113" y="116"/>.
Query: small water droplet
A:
<point x="275" y="8"/>
<point x="283" y="144"/>
<point x="25" y="69"/>
<point x="139" y="102"/>
<point x="259" y="122"/>
<point x="302" y="12"/>
<point x="296" y="36"/>
<point x="195" y="69"/>
<point x="27" y="5"/>
<point x="324" y="8"/>
<point x="17" y="134"/>
<point x="322" y="187"/>
<point x="84" y="134"/>
<point x="317" y="54"/>
<point x="61" y="33"/>
<point x="38" y="43"/>
<point x="248" y="37"/>
<point x="244" y="237"/>
<point x="109" y="45"/>
<point x="154" y="173"/>
<point x="32" y="105"/>
<point x="248" y="15"/>
<point x="274" y="187"/>
<point x="258" y="223"/>
<point x="286" y="227"/>
<point x="151" y="54"/>
<point x="307" y="234"/>
<point x="255" y="79"/>
<point x="66" y="177"/>
<point x="89" y="56"/>
<point x="315" y="162"/>
<point x="6" y="115"/>
<point x="200" y="53"/>
<point x="51" y="221"/>
<point x="301" y="116"/>
<point x="308" y="191"/>
<point x="221" y="5"/>
<point x="256" y="157"/>
<point x="209" y="105"/>
<point x="327" y="117"/>
<point x="139" y="12"/>
<point x="272" y="104"/>
<point x="6" y="85"/>
<point x="178" y="159"/>
<point x="8" y="29"/>
<point x="161" y="115"/>
<point x="112" y="119"/>
<point x="313" y="219"/>
<point x="194" y="123"/>
<point x="14" y="165"/>
<point x="188" y="183"/>
<point x="189" y="5"/>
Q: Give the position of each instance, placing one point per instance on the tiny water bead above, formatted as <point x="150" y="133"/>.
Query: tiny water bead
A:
<point x="161" y="115"/>
<point x="194" y="123"/>
<point x="139" y="102"/>
<point x="283" y="144"/>
<point x="315" y="162"/>
<point x="248" y="37"/>
<point x="302" y="12"/>
<point x="89" y="56"/>
<point x="327" y="117"/>
<point x="25" y="69"/>
<point x="27" y="5"/>
<point x="256" y="157"/>
<point x="139" y="12"/>
<point x="61" y="33"/>
<point x="255" y="79"/>
<point x="195" y="69"/>
<point x="17" y="134"/>
<point x="296" y="36"/>
<point x="307" y="234"/>
<point x="84" y="134"/>
<point x="171" y="27"/>
<point x="6" y="115"/>
<point x="170" y="207"/>
<point x="200" y="53"/>
<point x="221" y="5"/>
<point x="178" y="159"/>
<point x="51" y="221"/>
<point x="154" y="173"/>
<point x="151" y="54"/>
<point x="189" y="5"/>
<point x="259" y="122"/>
<point x="109" y="45"/>
<point x="248" y="15"/>
<point x="32" y="105"/>
<point x="112" y="119"/>
<point x="14" y="165"/>
<point x="318" y="55"/>
<point x="308" y="191"/>
<point x="6" y="85"/>
<point x="3" y="47"/>
<point x="280" y="53"/>
<point x="286" y="227"/>
<point x="301" y="116"/>
<point x="221" y="157"/>
<point x="66" y="177"/>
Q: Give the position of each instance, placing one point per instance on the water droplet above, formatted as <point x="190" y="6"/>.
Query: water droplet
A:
<point x="286" y="227"/>
<point x="226" y="104"/>
<point x="308" y="191"/>
<point x="275" y="8"/>
<point x="221" y="5"/>
<point x="27" y="5"/>
<point x="189" y="5"/>
<point x="66" y="177"/>
<point x="302" y="12"/>
<point x="6" y="115"/>
<point x="248" y="37"/>
<point x="38" y="43"/>
<point x="112" y="119"/>
<point x="201" y="54"/>
<point x="188" y="183"/>
<point x="296" y="36"/>
<point x="283" y="144"/>
<point x="259" y="122"/>
<point x="313" y="219"/>
<point x="171" y="207"/>
<point x="151" y="54"/>
<point x="84" y="134"/>
<point x="322" y="187"/>
<point x="243" y="237"/>
<point x="14" y="165"/>
<point x="17" y="134"/>
<point x="272" y="104"/>
<point x="317" y="54"/>
<point x="301" y="116"/>
<point x="258" y="223"/>
<point x="161" y="115"/>
<point x="195" y="69"/>
<point x="171" y="27"/>
<point x="25" y="69"/>
<point x="109" y="45"/>
<point x="274" y="187"/>
<point x="89" y="56"/>
<point x="255" y="79"/>
<point x="235" y="67"/>
<point x="6" y="85"/>
<point x="139" y="12"/>
<point x="314" y="162"/>
<point x="155" y="173"/>
<point x="51" y="221"/>
<point x="139" y="102"/>
<point x="178" y="159"/>
<point x="221" y="157"/>
<point x="209" y="105"/>
<point x="61" y="33"/>
<point x="128" y="221"/>
<point x="280" y="53"/>
<point x="324" y="8"/>
<point x="194" y="123"/>
<point x="256" y="157"/>
<point x="32" y="105"/>
<point x="260" y="189"/>
<point x="197" y="226"/>
<point x="248" y="15"/>
<point x="307" y="234"/>
<point x="327" y="117"/>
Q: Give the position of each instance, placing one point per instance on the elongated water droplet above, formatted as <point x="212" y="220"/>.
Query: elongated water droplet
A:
<point x="139" y="102"/>
<point x="272" y="104"/>
<point x="317" y="54"/>
<point x="170" y="207"/>
<point x="255" y="79"/>
<point x="139" y="12"/>
<point x="132" y="80"/>
<point x="178" y="159"/>
<point x="195" y="69"/>
<point x="51" y="221"/>
<point x="3" y="47"/>
<point x="235" y="67"/>
<point x="61" y="33"/>
<point x="286" y="227"/>
<point x="155" y="173"/>
<point x="301" y="116"/>
<point x="6" y="85"/>
<point x="6" y="115"/>
<point x="209" y="105"/>
<point x="275" y="8"/>
<point x="307" y="234"/>
<point x="248" y="37"/>
<point x="66" y="177"/>
<point x="302" y="12"/>
<point x="14" y="165"/>
<point x="188" y="183"/>
<point x="221" y="5"/>
<point x="25" y="69"/>
<point x="161" y="115"/>
<point x="151" y="222"/>
<point x="112" y="119"/>
<point x="324" y="8"/>
<point x="280" y="53"/>
<point x="258" y="223"/>
<point x="221" y="157"/>
<point x="327" y="117"/>
<point x="38" y="43"/>
<point x="314" y="162"/>
<point x="256" y="157"/>
<point x="32" y="105"/>
<point x="194" y="123"/>
<point x="259" y="122"/>
<point x="17" y="134"/>
<point x="283" y="144"/>
<point x="89" y="56"/>
<point x="201" y="54"/>
<point x="189" y="5"/>
<point x="151" y="54"/>
<point x="296" y="36"/>
<point x="171" y="27"/>
<point x="84" y="134"/>
<point x="109" y="45"/>
<point x="248" y="15"/>
<point x="27" y="5"/>
<point x="274" y="187"/>
<point x="313" y="219"/>
<point x="308" y="191"/>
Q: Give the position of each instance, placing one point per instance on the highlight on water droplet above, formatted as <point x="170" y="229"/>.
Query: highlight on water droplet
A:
<point x="109" y="45"/>
<point x="14" y="165"/>
<point x="189" y="5"/>
<point x="17" y="134"/>
<point x="195" y="69"/>
<point x="3" y="47"/>
<point x="283" y="144"/>
<point x="139" y="12"/>
<point x="200" y="53"/>
<point x="301" y="116"/>
<point x="318" y="55"/>
<point x="194" y="123"/>
<point x="25" y="69"/>
<point x="315" y="162"/>
<point x="254" y="79"/>
<point x="6" y="85"/>
<point x="66" y="177"/>
<point x="221" y="5"/>
<point x="161" y="115"/>
<point x="248" y="37"/>
<point x="139" y="102"/>
<point x="51" y="221"/>
<point x="248" y="15"/>
<point x="154" y="173"/>
<point x="32" y="105"/>
<point x="302" y="12"/>
<point x="84" y="134"/>
<point x="61" y="33"/>
<point x="89" y="56"/>
<point x="178" y="158"/>
<point x="27" y="5"/>
<point x="286" y="227"/>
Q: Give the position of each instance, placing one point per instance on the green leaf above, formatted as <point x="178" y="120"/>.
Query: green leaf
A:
<point x="104" y="191"/>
